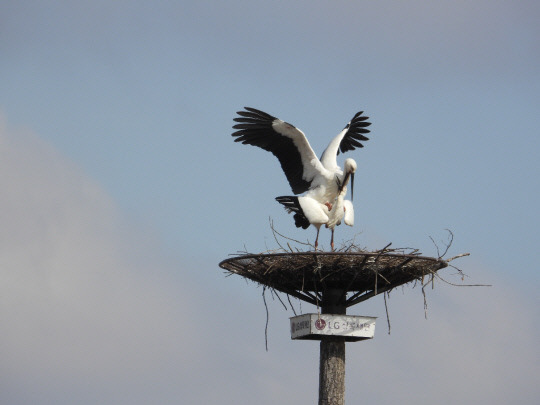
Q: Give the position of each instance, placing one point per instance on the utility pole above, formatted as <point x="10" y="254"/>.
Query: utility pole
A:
<point x="332" y="354"/>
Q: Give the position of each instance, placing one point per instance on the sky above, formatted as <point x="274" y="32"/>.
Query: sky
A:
<point x="122" y="190"/>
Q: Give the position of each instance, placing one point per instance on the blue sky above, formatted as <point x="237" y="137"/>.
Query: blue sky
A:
<point x="123" y="189"/>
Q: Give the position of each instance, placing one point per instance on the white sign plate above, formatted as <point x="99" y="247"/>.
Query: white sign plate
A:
<point x="313" y="326"/>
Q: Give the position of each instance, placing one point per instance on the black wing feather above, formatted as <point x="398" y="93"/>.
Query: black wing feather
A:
<point x="291" y="204"/>
<point x="255" y="128"/>
<point x="356" y="128"/>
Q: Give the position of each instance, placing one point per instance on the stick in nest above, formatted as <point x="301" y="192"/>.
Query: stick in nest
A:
<point x="275" y="232"/>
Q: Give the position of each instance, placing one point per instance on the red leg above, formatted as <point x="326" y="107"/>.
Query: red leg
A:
<point x="317" y="239"/>
<point x="332" y="241"/>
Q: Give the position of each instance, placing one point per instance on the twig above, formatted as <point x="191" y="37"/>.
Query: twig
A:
<point x="457" y="257"/>
<point x="386" y="308"/>
<point x="274" y="231"/>
<point x="279" y="298"/>
<point x="267" y="318"/>
<point x="462" y="285"/>
<point x="449" y="243"/>
<point x="425" y="299"/>
<point x="290" y="303"/>
<point x="384" y="249"/>
<point x="436" y="247"/>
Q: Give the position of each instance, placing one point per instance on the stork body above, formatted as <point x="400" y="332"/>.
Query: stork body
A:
<point x="308" y="211"/>
<point x="322" y="179"/>
<point x="341" y="210"/>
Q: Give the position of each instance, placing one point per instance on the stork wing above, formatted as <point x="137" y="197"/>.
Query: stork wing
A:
<point x="285" y="141"/>
<point x="348" y="139"/>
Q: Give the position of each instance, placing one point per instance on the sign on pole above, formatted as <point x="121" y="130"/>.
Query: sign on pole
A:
<point x="351" y="327"/>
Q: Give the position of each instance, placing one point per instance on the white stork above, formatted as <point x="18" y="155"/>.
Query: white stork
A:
<point x="323" y="179"/>
<point x="308" y="211"/>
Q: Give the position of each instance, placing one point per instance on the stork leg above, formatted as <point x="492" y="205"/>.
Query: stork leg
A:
<point x="317" y="239"/>
<point x="332" y="240"/>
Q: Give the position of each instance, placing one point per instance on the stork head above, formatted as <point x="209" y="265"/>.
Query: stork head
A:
<point x="350" y="166"/>
<point x="350" y="169"/>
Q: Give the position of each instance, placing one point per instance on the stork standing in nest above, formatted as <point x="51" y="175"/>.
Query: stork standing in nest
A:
<point x="322" y="180"/>
<point x="308" y="211"/>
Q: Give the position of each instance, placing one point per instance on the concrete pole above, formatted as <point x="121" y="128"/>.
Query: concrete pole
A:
<point x="332" y="355"/>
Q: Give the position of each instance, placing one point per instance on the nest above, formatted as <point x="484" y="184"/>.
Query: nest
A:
<point x="358" y="275"/>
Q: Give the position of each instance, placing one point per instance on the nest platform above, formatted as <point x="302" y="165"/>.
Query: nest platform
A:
<point x="357" y="275"/>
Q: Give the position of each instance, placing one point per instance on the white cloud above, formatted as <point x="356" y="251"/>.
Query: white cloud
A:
<point x="81" y="306"/>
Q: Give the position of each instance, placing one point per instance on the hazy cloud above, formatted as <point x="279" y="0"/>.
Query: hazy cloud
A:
<point x="80" y="308"/>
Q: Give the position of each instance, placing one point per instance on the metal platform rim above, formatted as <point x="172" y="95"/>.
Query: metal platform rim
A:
<point x="322" y="253"/>
<point x="307" y="275"/>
